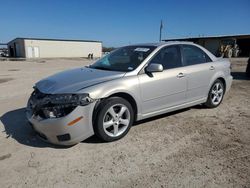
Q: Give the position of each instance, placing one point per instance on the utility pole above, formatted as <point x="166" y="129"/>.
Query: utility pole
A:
<point x="161" y="26"/>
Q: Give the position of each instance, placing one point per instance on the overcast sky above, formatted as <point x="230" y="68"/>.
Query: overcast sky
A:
<point x="122" y="22"/>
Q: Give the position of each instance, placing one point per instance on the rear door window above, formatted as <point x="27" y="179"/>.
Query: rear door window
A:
<point x="193" y="55"/>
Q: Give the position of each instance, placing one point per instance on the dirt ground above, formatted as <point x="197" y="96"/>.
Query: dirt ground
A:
<point x="195" y="147"/>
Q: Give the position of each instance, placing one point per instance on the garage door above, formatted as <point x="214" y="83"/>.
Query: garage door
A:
<point x="33" y="52"/>
<point x="29" y="52"/>
<point x="36" y="52"/>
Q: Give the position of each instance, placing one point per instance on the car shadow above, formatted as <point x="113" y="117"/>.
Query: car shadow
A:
<point x="240" y="76"/>
<point x="95" y="140"/>
<point x="17" y="127"/>
<point x="147" y="120"/>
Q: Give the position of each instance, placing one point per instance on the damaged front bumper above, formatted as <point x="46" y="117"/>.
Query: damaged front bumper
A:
<point x="59" y="131"/>
<point x="69" y="129"/>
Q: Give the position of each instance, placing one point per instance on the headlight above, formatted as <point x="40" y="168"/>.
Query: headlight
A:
<point x="73" y="99"/>
<point x="59" y="105"/>
<point x="56" y="111"/>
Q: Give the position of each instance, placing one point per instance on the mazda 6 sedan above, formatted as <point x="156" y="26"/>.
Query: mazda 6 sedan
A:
<point x="130" y="84"/>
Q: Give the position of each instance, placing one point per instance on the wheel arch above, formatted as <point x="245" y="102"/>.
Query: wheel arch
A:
<point x="223" y="81"/>
<point x="219" y="75"/>
<point x="209" y="103"/>
<point x="123" y="95"/>
<point x="129" y="98"/>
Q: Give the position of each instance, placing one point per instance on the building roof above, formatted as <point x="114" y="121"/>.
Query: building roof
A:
<point x="238" y="36"/>
<point x="67" y="40"/>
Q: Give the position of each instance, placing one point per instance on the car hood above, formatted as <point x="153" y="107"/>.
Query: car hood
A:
<point x="71" y="81"/>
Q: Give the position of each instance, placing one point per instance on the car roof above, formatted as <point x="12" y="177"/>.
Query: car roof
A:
<point x="162" y="44"/>
<point x="158" y="44"/>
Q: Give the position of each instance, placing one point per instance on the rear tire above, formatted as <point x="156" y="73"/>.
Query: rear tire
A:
<point x="114" y="119"/>
<point x="236" y="53"/>
<point x="216" y="94"/>
<point x="229" y="53"/>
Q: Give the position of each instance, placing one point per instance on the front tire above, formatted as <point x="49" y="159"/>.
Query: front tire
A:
<point x="216" y="94"/>
<point x="114" y="118"/>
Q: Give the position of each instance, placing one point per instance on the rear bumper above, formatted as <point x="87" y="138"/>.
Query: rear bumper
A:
<point x="57" y="130"/>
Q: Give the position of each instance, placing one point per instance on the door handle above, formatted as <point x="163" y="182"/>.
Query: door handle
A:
<point x="211" y="68"/>
<point x="180" y="75"/>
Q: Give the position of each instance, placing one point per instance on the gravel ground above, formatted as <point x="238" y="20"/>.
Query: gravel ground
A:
<point x="195" y="147"/>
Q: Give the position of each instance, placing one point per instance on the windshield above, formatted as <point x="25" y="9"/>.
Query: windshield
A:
<point x="124" y="59"/>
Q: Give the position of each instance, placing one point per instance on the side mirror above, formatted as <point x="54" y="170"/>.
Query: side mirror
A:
<point x="154" y="68"/>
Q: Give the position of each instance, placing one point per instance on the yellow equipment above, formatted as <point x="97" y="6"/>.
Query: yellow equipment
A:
<point x="229" y="48"/>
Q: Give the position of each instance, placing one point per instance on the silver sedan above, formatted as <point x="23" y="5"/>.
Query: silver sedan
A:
<point x="130" y="84"/>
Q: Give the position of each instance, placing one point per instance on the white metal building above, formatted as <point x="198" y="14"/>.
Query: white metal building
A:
<point x="52" y="48"/>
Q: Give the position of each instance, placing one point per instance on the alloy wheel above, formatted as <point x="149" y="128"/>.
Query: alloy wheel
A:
<point x="217" y="93"/>
<point x="116" y="120"/>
